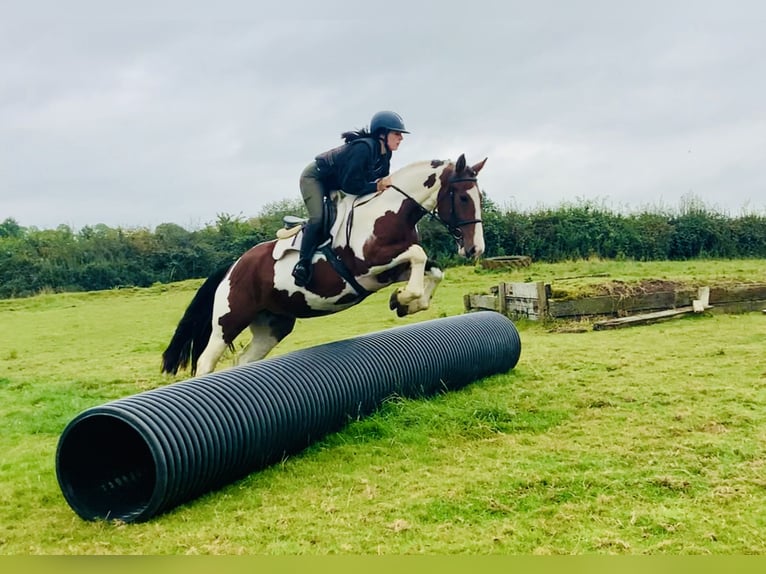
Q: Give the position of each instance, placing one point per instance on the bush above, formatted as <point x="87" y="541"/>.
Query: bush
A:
<point x="100" y="257"/>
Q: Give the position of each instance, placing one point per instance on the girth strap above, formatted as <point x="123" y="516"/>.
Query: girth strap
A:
<point x="342" y="270"/>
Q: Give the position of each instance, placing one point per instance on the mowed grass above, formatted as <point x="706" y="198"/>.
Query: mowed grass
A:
<point x="646" y="440"/>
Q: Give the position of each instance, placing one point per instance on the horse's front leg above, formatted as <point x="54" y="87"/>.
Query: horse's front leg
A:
<point x="433" y="276"/>
<point x="415" y="287"/>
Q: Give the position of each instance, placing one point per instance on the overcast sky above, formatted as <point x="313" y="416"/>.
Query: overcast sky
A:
<point x="132" y="115"/>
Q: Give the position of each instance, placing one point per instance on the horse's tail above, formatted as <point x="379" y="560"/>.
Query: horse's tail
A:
<point x="194" y="329"/>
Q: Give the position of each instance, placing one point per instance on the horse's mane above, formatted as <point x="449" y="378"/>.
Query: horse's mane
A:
<point x="422" y="164"/>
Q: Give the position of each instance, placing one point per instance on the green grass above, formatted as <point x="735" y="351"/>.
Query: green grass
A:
<point x="647" y="440"/>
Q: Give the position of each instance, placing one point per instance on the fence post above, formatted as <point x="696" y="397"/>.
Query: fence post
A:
<point x="502" y="298"/>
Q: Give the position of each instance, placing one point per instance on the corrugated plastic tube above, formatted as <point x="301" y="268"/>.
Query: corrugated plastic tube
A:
<point x="136" y="457"/>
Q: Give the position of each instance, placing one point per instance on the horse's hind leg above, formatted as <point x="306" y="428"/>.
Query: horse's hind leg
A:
<point x="217" y="344"/>
<point x="268" y="329"/>
<point x="213" y="350"/>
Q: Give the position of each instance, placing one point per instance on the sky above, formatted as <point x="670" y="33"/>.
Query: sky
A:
<point x="141" y="113"/>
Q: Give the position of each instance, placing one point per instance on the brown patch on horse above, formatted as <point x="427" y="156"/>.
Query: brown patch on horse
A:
<point x="325" y="281"/>
<point x="252" y="290"/>
<point x="437" y="163"/>
<point x="395" y="232"/>
<point x="294" y="303"/>
<point x="281" y="325"/>
<point x="430" y="181"/>
<point x="398" y="273"/>
<point x="281" y="301"/>
<point x="251" y="278"/>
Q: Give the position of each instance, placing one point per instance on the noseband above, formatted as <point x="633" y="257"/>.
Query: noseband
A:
<point x="453" y="225"/>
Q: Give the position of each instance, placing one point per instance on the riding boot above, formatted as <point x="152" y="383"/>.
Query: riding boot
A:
<point x="303" y="269"/>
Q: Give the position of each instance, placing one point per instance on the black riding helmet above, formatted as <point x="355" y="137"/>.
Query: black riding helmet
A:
<point x="387" y="121"/>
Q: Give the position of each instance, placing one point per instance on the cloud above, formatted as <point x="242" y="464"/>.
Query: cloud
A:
<point x="150" y="114"/>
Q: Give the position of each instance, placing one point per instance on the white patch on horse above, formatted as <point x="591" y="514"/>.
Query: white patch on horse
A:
<point x="216" y="344"/>
<point x="478" y="234"/>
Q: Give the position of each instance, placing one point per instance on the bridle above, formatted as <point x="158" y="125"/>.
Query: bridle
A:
<point x="454" y="225"/>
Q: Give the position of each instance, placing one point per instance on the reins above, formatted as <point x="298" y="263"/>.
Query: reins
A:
<point x="453" y="227"/>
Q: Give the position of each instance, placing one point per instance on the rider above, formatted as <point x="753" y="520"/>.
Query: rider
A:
<point x="353" y="167"/>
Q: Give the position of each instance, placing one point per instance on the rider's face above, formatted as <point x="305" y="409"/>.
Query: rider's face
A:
<point x="393" y="139"/>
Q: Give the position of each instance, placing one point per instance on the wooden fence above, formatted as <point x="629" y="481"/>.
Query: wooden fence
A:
<point x="533" y="301"/>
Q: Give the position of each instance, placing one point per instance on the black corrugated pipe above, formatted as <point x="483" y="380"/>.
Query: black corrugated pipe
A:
<point x="139" y="456"/>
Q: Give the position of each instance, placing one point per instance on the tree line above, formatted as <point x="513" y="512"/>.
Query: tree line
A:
<point x="100" y="257"/>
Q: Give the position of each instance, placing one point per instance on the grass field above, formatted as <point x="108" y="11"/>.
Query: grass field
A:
<point x="648" y="440"/>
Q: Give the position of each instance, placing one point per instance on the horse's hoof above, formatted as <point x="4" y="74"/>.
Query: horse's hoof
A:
<point x="394" y="305"/>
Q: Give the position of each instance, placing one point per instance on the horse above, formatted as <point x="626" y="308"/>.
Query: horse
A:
<point x="373" y="243"/>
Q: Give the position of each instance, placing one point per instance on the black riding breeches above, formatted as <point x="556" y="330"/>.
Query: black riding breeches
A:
<point x="313" y="192"/>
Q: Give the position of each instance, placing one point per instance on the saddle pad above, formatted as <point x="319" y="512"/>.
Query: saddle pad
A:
<point x="291" y="242"/>
<point x="286" y="232"/>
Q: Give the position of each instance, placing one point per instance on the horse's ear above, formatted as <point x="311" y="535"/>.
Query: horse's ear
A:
<point x="460" y="165"/>
<point x="477" y="168"/>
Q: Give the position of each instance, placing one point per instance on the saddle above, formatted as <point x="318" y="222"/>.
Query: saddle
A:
<point x="294" y="224"/>
<point x="288" y="239"/>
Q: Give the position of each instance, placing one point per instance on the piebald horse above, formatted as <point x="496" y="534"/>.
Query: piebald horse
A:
<point x="373" y="243"/>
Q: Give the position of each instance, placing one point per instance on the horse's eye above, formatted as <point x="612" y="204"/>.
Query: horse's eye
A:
<point x="464" y="198"/>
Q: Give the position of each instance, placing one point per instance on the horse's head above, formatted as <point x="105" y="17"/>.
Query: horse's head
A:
<point x="459" y="206"/>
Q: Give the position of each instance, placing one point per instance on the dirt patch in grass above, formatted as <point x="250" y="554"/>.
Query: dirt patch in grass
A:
<point x="617" y="289"/>
<point x="642" y="287"/>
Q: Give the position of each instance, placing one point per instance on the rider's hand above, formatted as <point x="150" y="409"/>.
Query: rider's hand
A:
<point x="383" y="183"/>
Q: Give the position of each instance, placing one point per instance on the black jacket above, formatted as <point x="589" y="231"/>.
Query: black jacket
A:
<point x="354" y="167"/>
